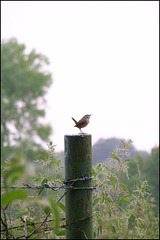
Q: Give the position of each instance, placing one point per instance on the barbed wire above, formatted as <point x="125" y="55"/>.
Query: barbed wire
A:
<point x="45" y="185"/>
<point x="78" y="179"/>
<point x="63" y="186"/>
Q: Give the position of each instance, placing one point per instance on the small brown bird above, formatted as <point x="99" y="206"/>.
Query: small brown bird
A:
<point x="82" y="122"/>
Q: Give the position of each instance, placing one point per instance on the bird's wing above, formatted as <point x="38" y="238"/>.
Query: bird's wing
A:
<point x="82" y="121"/>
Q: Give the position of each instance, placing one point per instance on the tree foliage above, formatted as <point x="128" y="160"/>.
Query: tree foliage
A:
<point x="151" y="173"/>
<point x="23" y="87"/>
<point x="146" y="168"/>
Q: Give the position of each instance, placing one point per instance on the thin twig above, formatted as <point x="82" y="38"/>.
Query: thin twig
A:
<point x="5" y="222"/>
<point x="35" y="230"/>
<point x="29" y="224"/>
<point x="47" y="229"/>
<point x="44" y="227"/>
<point x="25" y="227"/>
<point x="65" y="193"/>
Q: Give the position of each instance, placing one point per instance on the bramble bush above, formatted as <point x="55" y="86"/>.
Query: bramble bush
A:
<point x="28" y="213"/>
<point x="118" y="213"/>
<point x="40" y="214"/>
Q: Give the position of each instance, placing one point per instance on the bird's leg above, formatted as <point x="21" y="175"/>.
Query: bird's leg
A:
<point x="81" y="131"/>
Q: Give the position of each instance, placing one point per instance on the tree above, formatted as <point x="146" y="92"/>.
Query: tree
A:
<point x="23" y="86"/>
<point x="151" y="173"/>
<point x="145" y="167"/>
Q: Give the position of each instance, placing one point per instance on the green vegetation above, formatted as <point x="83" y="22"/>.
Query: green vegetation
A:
<point x="146" y="169"/>
<point x="145" y="165"/>
<point x="23" y="86"/>
<point x="119" y="213"/>
<point x="122" y="213"/>
<point x="31" y="213"/>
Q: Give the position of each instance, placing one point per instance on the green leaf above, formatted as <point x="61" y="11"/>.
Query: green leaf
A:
<point x="13" y="195"/>
<point x="19" y="209"/>
<point x="12" y="175"/>
<point x="100" y="228"/>
<point x="40" y="191"/>
<point x="123" y="143"/>
<point x="122" y="200"/>
<point x="93" y="171"/>
<point x="156" y="234"/>
<point x="131" y="222"/>
<point x="30" y="229"/>
<point x="51" y="177"/>
<point x="124" y="186"/>
<point x="129" y="195"/>
<point x="45" y="180"/>
<point x="37" y="179"/>
<point x="96" y="200"/>
<point x="46" y="209"/>
<point x="94" y="235"/>
<point x="112" y="183"/>
<point x="61" y="233"/>
<point x="117" y="205"/>
<point x="107" y="198"/>
<point x="43" y="155"/>
<point x="132" y="219"/>
<point x="113" y="229"/>
<point x="61" y="205"/>
<point x="128" y="160"/>
<point x="56" y="162"/>
<point x="113" y="178"/>
<point x="54" y="206"/>
<point x="115" y="157"/>
<point x="103" y="197"/>
<point x="23" y="213"/>
<point x="20" y="228"/>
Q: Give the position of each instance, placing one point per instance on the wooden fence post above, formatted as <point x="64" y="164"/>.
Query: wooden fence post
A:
<point x="78" y="201"/>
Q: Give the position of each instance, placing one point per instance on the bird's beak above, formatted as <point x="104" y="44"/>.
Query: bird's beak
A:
<point x="90" y="114"/>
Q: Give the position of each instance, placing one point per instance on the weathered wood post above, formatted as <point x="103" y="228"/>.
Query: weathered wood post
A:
<point x="78" y="201"/>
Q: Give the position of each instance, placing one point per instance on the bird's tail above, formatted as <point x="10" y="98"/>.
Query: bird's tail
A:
<point x="74" y="120"/>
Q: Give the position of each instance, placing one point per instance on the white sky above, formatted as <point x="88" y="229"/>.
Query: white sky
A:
<point x="104" y="59"/>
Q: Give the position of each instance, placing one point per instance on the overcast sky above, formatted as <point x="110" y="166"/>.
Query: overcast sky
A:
<point x="104" y="59"/>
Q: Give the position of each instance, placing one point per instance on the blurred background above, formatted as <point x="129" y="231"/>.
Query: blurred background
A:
<point x="103" y="60"/>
